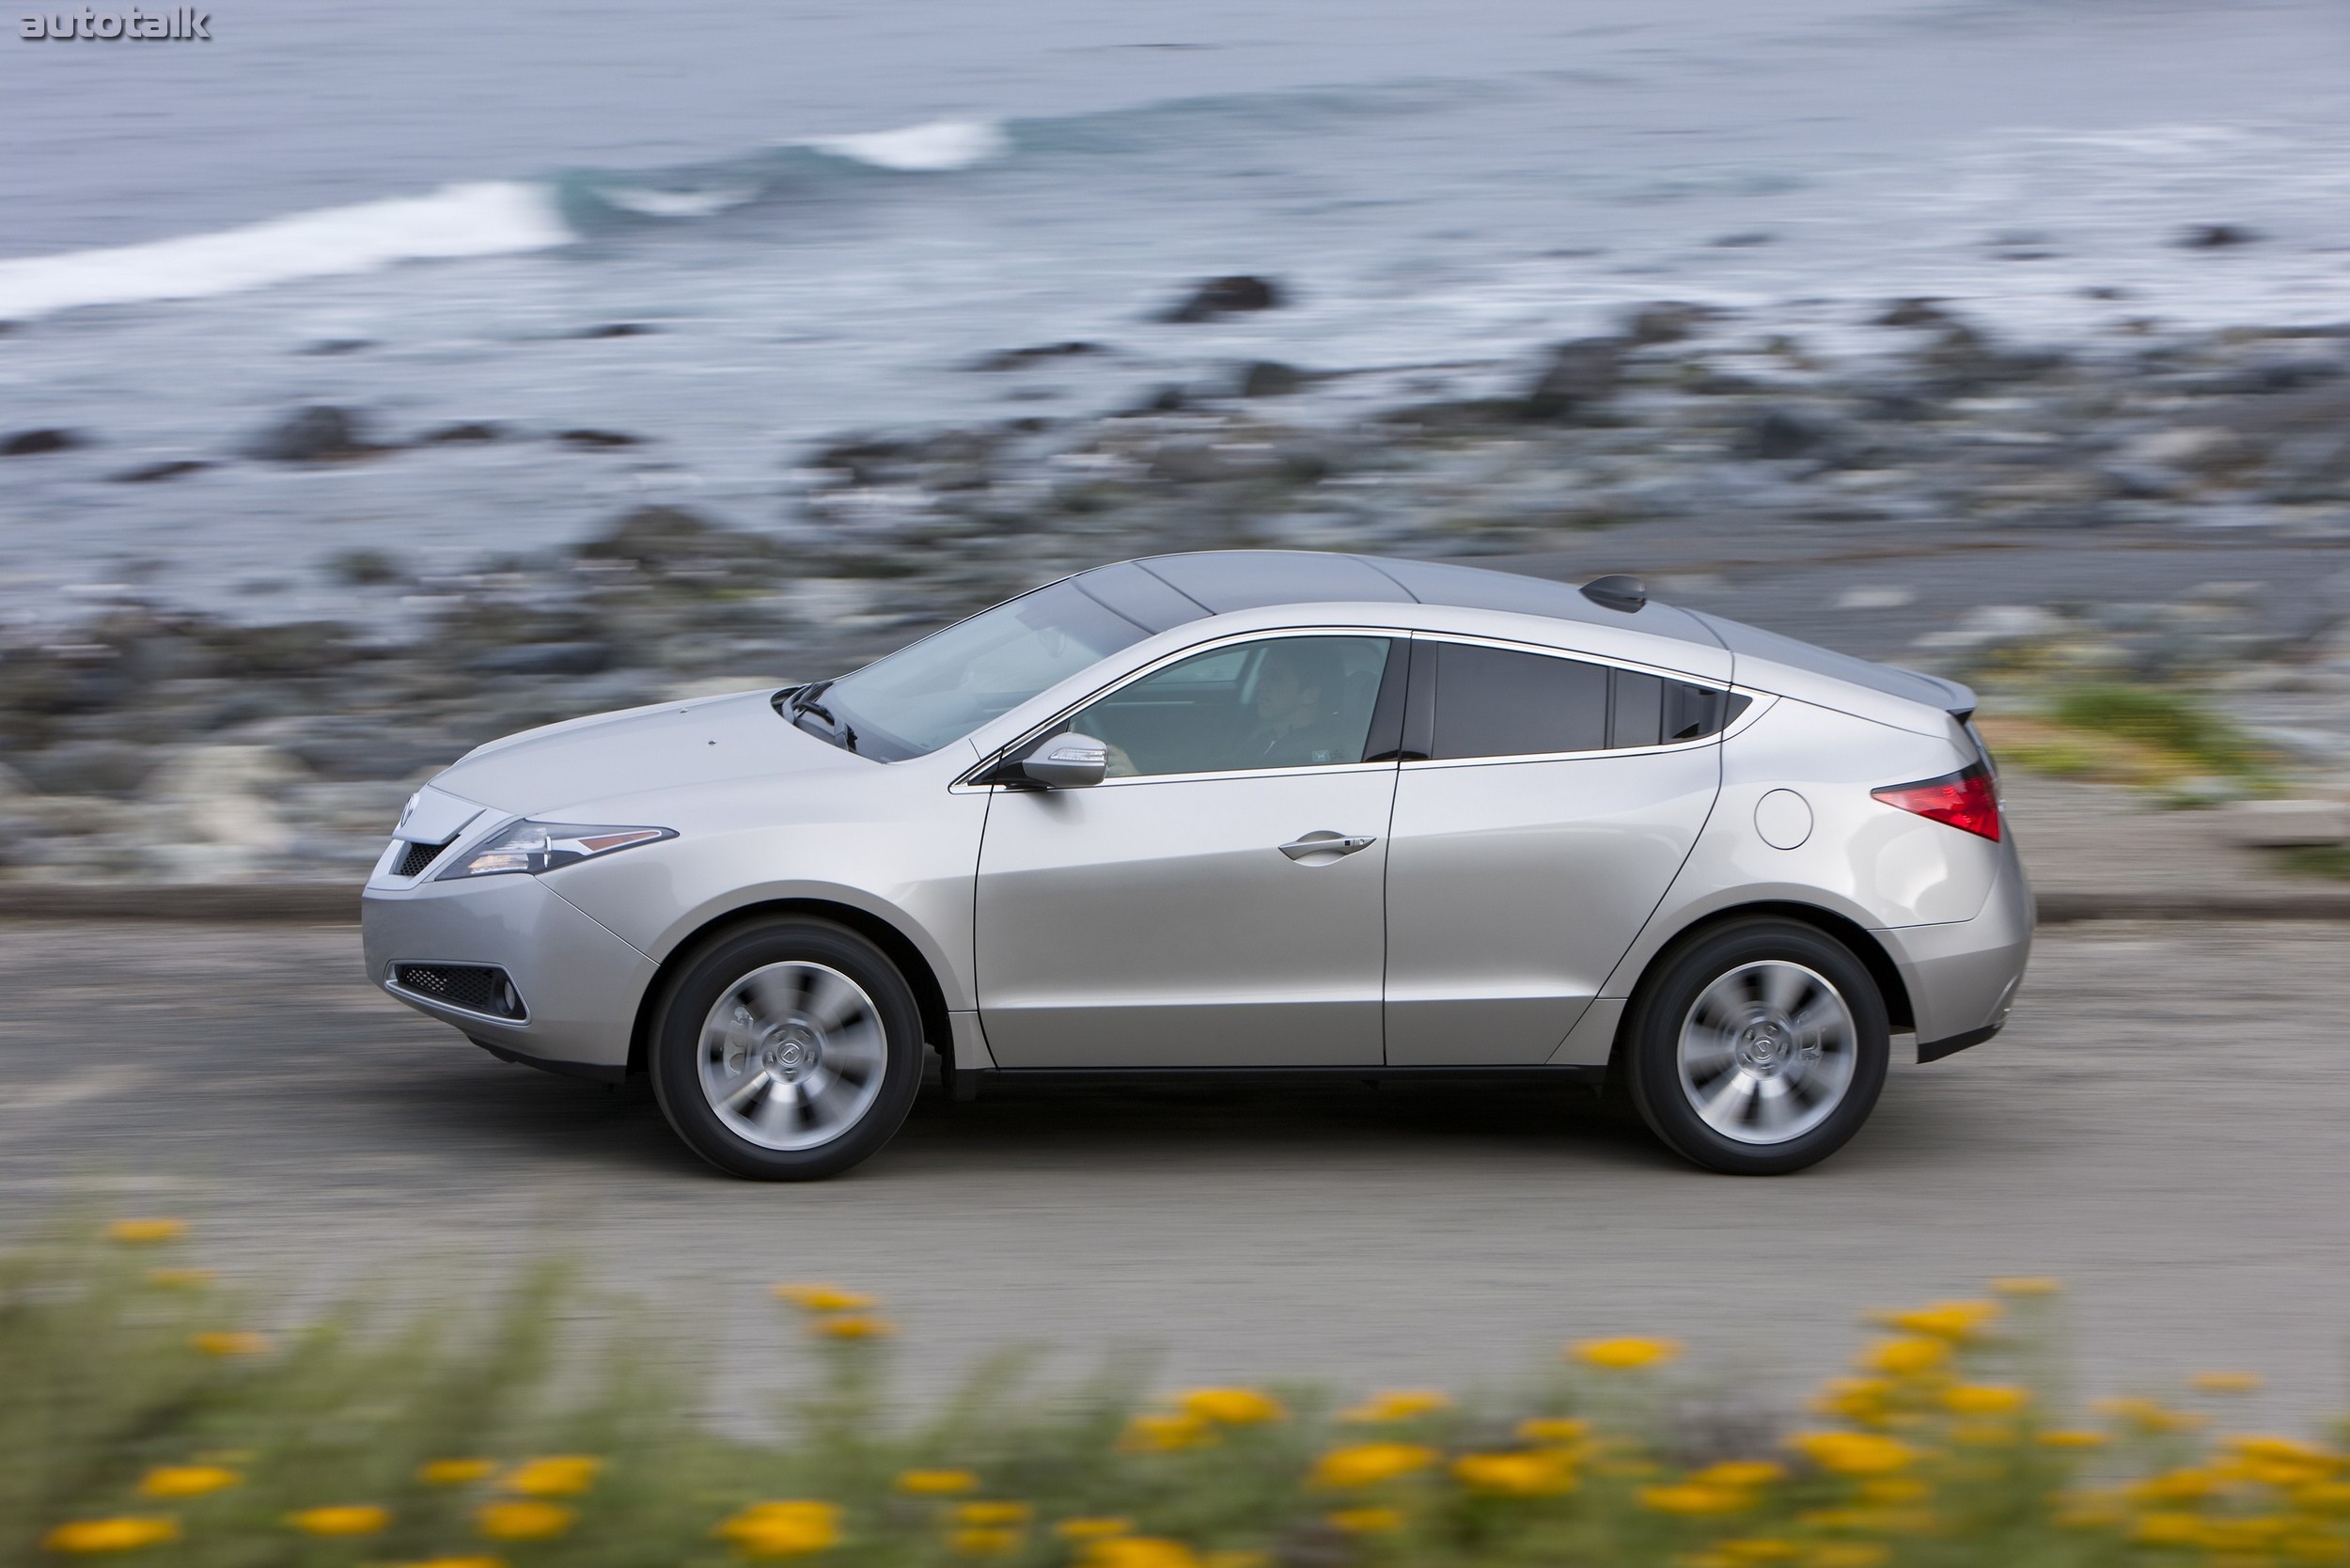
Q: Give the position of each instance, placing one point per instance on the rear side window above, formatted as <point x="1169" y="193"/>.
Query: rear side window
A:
<point x="1497" y="702"/>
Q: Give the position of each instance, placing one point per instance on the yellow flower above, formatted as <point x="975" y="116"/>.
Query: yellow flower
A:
<point x="140" y="1232"/>
<point x="187" y="1481"/>
<point x="2026" y="1284"/>
<point x="1397" y="1405"/>
<point x="937" y="1482"/>
<point x="1855" y="1399"/>
<point x="2226" y="1382"/>
<point x="2173" y="1486"/>
<point x="1984" y="1399"/>
<point x="1232" y="1407"/>
<point x="1554" y="1429"/>
<point x="2148" y="1415"/>
<point x="825" y="1299"/>
<point x="1368" y="1464"/>
<point x="111" y="1535"/>
<point x="2068" y="1437"/>
<point x="1623" y="1355"/>
<point x="523" y="1521"/>
<point x="561" y="1475"/>
<point x="180" y="1279"/>
<point x="2324" y="1497"/>
<point x="852" y="1325"/>
<point x="1945" y="1320"/>
<point x="1853" y="1453"/>
<point x="1139" y="1551"/>
<point x="1150" y="1432"/>
<point x="1237" y="1558"/>
<point x="1758" y="1548"/>
<point x="454" y="1472"/>
<point x="1847" y="1554"/>
<point x="994" y="1513"/>
<point x="458" y="1562"/>
<point x="1907" y="1356"/>
<point x="1694" y="1500"/>
<point x="2315" y="1548"/>
<point x="231" y="1341"/>
<point x="1092" y="1529"/>
<point x="1740" y="1472"/>
<point x="2167" y="1529"/>
<point x="793" y="1529"/>
<point x="342" y="1519"/>
<point x="1515" y="1475"/>
<point x="1889" y="1490"/>
<point x="984" y="1541"/>
<point x="1367" y="1521"/>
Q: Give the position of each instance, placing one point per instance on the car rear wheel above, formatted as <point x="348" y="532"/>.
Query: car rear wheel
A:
<point x="1759" y="1048"/>
<point x="789" y="1050"/>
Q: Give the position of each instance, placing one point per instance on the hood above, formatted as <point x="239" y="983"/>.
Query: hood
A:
<point x="540" y="773"/>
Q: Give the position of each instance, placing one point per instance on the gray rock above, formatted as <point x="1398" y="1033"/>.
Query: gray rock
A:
<point x="91" y="768"/>
<point x="544" y="658"/>
<point x="319" y="433"/>
<point x="1020" y="359"/>
<point x="2215" y="236"/>
<point x="40" y="443"/>
<point x="1226" y="296"/>
<point x="597" y="440"/>
<point x="1777" y="434"/>
<point x="1667" y="322"/>
<point x="152" y="472"/>
<point x="1270" y="378"/>
<point x="466" y="432"/>
<point x="1580" y="374"/>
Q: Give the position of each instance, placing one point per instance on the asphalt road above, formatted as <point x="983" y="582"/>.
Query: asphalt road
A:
<point x="2162" y="1127"/>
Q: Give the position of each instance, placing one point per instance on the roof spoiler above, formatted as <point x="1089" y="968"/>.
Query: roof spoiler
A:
<point x="1958" y="699"/>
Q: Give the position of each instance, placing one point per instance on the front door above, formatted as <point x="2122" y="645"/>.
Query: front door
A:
<point x="1559" y="801"/>
<point x="1217" y="901"/>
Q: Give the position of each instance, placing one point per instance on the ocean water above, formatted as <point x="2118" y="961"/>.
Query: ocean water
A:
<point x="821" y="215"/>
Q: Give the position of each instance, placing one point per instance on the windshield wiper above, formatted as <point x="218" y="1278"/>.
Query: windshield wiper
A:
<point x="804" y="701"/>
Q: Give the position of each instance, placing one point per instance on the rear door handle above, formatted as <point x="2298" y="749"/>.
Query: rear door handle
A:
<point x="1324" y="845"/>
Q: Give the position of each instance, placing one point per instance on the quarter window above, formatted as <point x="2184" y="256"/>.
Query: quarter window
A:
<point x="1285" y="703"/>
<point x="1498" y="703"/>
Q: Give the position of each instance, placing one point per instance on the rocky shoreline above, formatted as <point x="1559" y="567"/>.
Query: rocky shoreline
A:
<point x="154" y="743"/>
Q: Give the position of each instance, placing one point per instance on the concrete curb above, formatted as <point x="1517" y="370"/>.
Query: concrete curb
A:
<point x="283" y="903"/>
<point x="2064" y="908"/>
<point x="337" y="904"/>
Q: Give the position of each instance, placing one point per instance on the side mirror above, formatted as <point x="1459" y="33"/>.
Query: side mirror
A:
<point x="1070" y="761"/>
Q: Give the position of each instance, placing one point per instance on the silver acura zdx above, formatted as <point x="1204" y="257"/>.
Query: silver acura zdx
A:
<point x="1242" y="812"/>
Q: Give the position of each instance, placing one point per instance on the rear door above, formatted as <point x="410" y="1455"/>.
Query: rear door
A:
<point x="1556" y="801"/>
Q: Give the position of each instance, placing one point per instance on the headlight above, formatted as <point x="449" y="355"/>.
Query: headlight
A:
<point x="534" y="847"/>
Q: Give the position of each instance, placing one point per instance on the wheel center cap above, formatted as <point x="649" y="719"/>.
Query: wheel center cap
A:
<point x="789" y="1053"/>
<point x="1763" y="1046"/>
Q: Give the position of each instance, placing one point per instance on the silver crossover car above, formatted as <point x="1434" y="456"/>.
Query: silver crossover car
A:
<point x="1240" y="812"/>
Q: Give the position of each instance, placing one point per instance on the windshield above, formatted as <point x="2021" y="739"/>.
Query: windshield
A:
<point x="950" y="682"/>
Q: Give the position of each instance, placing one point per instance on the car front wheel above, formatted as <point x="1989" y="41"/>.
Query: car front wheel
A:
<point x="1759" y="1048"/>
<point x="789" y="1050"/>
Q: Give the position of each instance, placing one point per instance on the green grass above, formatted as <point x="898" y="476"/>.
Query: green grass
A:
<point x="2176" y="722"/>
<point x="130" y="1427"/>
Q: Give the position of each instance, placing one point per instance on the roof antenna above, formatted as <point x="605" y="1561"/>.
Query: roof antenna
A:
<point x="1617" y="591"/>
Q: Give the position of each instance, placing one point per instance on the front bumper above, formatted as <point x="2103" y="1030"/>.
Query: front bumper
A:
<point x="580" y="985"/>
<point x="1963" y="976"/>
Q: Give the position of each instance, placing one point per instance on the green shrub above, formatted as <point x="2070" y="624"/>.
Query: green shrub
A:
<point x="141" y="1417"/>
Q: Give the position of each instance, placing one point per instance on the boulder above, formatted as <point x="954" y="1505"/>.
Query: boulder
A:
<point x="470" y="431"/>
<point x="40" y="443"/>
<point x="1270" y="378"/>
<point x="210" y="772"/>
<point x="320" y="433"/>
<point x="1020" y="359"/>
<point x="1665" y="321"/>
<point x="595" y="440"/>
<point x="1226" y="296"/>
<point x="152" y="472"/>
<point x="1780" y="433"/>
<point x="2215" y="236"/>
<point x="663" y="535"/>
<point x="1915" y="312"/>
<point x="544" y="658"/>
<point x="1580" y="374"/>
<point x="89" y="768"/>
<point x="617" y="329"/>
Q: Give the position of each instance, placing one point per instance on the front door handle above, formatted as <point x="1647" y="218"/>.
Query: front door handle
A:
<point x="1323" y="846"/>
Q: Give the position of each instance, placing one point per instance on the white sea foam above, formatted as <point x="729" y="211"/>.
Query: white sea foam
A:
<point x="935" y="146"/>
<point x="486" y="218"/>
<point x="655" y="203"/>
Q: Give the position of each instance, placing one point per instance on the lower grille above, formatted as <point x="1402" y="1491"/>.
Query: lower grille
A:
<point x="474" y="987"/>
<point x="415" y="857"/>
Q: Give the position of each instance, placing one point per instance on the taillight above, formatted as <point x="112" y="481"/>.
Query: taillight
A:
<point x="1965" y="799"/>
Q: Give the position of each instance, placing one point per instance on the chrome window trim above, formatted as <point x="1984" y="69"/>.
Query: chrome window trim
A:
<point x="968" y="781"/>
<point x="1757" y="702"/>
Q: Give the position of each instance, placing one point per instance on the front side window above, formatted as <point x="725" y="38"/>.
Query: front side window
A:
<point x="1498" y="703"/>
<point x="949" y="684"/>
<point x="1286" y="702"/>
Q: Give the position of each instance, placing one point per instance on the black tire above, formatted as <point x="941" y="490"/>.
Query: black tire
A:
<point x="1744" y="957"/>
<point x="804" y="945"/>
